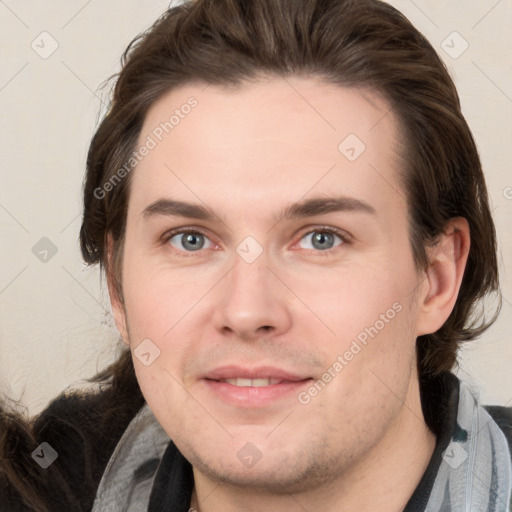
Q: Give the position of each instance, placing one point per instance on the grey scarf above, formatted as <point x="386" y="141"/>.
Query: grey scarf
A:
<point x="476" y="472"/>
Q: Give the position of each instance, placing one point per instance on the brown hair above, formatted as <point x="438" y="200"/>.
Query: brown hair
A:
<point x="355" y="43"/>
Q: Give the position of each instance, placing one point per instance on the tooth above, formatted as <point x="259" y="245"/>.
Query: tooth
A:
<point x="257" y="383"/>
<point x="260" y="382"/>
<point x="243" y="382"/>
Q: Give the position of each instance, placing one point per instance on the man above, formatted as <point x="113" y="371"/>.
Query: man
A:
<point x="294" y="224"/>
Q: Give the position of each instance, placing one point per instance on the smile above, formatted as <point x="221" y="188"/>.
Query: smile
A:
<point x="254" y="383"/>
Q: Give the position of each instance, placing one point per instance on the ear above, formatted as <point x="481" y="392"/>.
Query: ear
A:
<point x="116" y="303"/>
<point x="444" y="276"/>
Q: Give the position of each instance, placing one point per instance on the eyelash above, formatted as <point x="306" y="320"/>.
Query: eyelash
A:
<point x="195" y="231"/>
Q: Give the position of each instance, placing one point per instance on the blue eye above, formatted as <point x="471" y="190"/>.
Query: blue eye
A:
<point x="189" y="240"/>
<point x="323" y="239"/>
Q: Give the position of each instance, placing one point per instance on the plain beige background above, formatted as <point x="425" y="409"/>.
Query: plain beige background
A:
<point x="55" y="325"/>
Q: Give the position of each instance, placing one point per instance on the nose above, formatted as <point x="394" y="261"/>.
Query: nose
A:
<point x="252" y="301"/>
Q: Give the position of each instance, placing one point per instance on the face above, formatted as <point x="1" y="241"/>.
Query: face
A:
<point x="268" y="279"/>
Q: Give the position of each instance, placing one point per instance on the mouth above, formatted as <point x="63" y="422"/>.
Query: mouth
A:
<point x="256" y="387"/>
<point x="254" y="383"/>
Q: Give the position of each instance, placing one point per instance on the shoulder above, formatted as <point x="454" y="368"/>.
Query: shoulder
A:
<point x="128" y="478"/>
<point x="83" y="429"/>
<point x="503" y="417"/>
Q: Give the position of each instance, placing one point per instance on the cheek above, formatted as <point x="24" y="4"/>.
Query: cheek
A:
<point x="162" y="305"/>
<point x="350" y="300"/>
<point x="164" y="395"/>
<point x="370" y="314"/>
<point x="158" y="298"/>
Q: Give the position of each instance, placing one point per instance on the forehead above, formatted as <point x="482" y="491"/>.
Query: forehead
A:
<point x="271" y="141"/>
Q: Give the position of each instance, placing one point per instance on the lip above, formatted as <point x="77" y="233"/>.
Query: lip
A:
<point x="249" y="397"/>
<point x="261" y="372"/>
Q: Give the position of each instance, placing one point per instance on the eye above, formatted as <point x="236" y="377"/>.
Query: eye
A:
<point x="193" y="240"/>
<point x="188" y="240"/>
<point x="323" y="239"/>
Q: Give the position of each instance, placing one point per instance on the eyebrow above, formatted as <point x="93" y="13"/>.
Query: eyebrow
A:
<point x="301" y="209"/>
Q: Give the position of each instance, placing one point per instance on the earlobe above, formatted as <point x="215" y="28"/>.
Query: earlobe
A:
<point x="117" y="306"/>
<point x="444" y="276"/>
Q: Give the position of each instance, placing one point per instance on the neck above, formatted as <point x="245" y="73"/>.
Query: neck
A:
<point x="384" y="480"/>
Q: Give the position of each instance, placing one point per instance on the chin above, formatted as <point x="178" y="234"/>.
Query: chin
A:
<point x="277" y="472"/>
